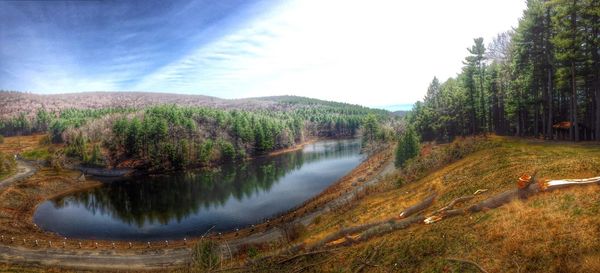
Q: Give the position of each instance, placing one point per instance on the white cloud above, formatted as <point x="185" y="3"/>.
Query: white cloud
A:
<point x="373" y="53"/>
<point x="367" y="52"/>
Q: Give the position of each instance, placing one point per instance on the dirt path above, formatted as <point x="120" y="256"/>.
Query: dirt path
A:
<point x="24" y="171"/>
<point x="152" y="259"/>
<point x="107" y="260"/>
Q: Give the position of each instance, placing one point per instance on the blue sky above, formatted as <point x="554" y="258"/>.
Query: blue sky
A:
<point x="375" y="53"/>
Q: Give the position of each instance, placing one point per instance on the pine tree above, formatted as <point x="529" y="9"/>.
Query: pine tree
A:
<point x="408" y="147"/>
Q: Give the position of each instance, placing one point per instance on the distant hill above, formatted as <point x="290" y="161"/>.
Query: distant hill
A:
<point x="400" y="113"/>
<point x="14" y="103"/>
<point x="302" y="101"/>
<point x="397" y="107"/>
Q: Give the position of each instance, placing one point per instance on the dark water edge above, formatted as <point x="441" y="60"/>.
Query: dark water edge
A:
<point x="186" y="204"/>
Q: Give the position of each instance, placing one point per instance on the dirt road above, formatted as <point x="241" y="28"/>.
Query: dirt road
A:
<point x="24" y="171"/>
<point x="108" y="260"/>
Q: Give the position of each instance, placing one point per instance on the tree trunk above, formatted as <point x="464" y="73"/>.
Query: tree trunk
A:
<point x="597" y="131"/>
<point x="574" y="124"/>
<point x="473" y="115"/>
<point x="549" y="91"/>
<point x="550" y="103"/>
<point x="596" y="59"/>
<point x="536" y="114"/>
<point x="482" y="100"/>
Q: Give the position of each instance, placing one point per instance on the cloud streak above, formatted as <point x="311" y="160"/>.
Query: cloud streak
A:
<point x="373" y="53"/>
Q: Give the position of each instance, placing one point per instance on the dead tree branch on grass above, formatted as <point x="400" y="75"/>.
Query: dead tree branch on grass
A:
<point x="419" y="206"/>
<point x="370" y="230"/>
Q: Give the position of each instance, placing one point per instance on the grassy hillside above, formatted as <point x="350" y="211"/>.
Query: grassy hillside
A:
<point x="550" y="232"/>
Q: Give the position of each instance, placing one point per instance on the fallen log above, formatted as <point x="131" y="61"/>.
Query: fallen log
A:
<point x="389" y="227"/>
<point x="495" y="201"/>
<point x="524" y="193"/>
<point x="454" y="202"/>
<point x="389" y="224"/>
<point x="564" y="183"/>
<point x="419" y="206"/>
<point x="343" y="233"/>
<point x="370" y="230"/>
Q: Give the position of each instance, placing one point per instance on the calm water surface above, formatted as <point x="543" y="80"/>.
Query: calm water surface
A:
<point x="189" y="203"/>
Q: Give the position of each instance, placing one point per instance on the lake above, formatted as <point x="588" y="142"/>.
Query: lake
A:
<point x="187" y="204"/>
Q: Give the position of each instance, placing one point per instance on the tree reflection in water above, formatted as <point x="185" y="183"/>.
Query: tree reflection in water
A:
<point x="164" y="198"/>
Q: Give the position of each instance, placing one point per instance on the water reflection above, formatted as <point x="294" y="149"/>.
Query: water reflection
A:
<point x="186" y="204"/>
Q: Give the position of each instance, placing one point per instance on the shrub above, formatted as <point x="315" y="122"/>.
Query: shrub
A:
<point x="56" y="159"/>
<point x="293" y="231"/>
<point x="96" y="156"/>
<point x="227" y="150"/>
<point x="7" y="164"/>
<point x="400" y="181"/>
<point x="205" y="255"/>
<point x="253" y="252"/>
<point x="241" y="154"/>
<point x="57" y="127"/>
<point x="78" y="148"/>
<point x="205" y="151"/>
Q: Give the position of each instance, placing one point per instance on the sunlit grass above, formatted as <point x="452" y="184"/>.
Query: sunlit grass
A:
<point x="551" y="232"/>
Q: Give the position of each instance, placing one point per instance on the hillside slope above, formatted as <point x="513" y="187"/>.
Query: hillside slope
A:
<point x="549" y="232"/>
<point x="14" y="103"/>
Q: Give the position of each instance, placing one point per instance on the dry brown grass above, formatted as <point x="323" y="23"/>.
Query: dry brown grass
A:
<point x="552" y="232"/>
<point x="557" y="231"/>
<point x="19" y="144"/>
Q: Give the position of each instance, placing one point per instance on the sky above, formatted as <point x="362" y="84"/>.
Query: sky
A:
<point x="375" y="53"/>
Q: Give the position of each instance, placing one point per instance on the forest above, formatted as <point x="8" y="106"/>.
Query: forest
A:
<point x="169" y="136"/>
<point x="541" y="80"/>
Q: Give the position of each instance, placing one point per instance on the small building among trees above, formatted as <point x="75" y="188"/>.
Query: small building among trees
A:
<point x="562" y="131"/>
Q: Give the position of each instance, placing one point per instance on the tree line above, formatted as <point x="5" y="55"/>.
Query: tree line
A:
<point x="176" y="137"/>
<point x="541" y="79"/>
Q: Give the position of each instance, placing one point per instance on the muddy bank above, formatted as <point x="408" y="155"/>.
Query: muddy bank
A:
<point x="295" y="147"/>
<point x="103" y="172"/>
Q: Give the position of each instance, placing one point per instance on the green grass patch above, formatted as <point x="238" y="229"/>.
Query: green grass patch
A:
<point x="36" y="154"/>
